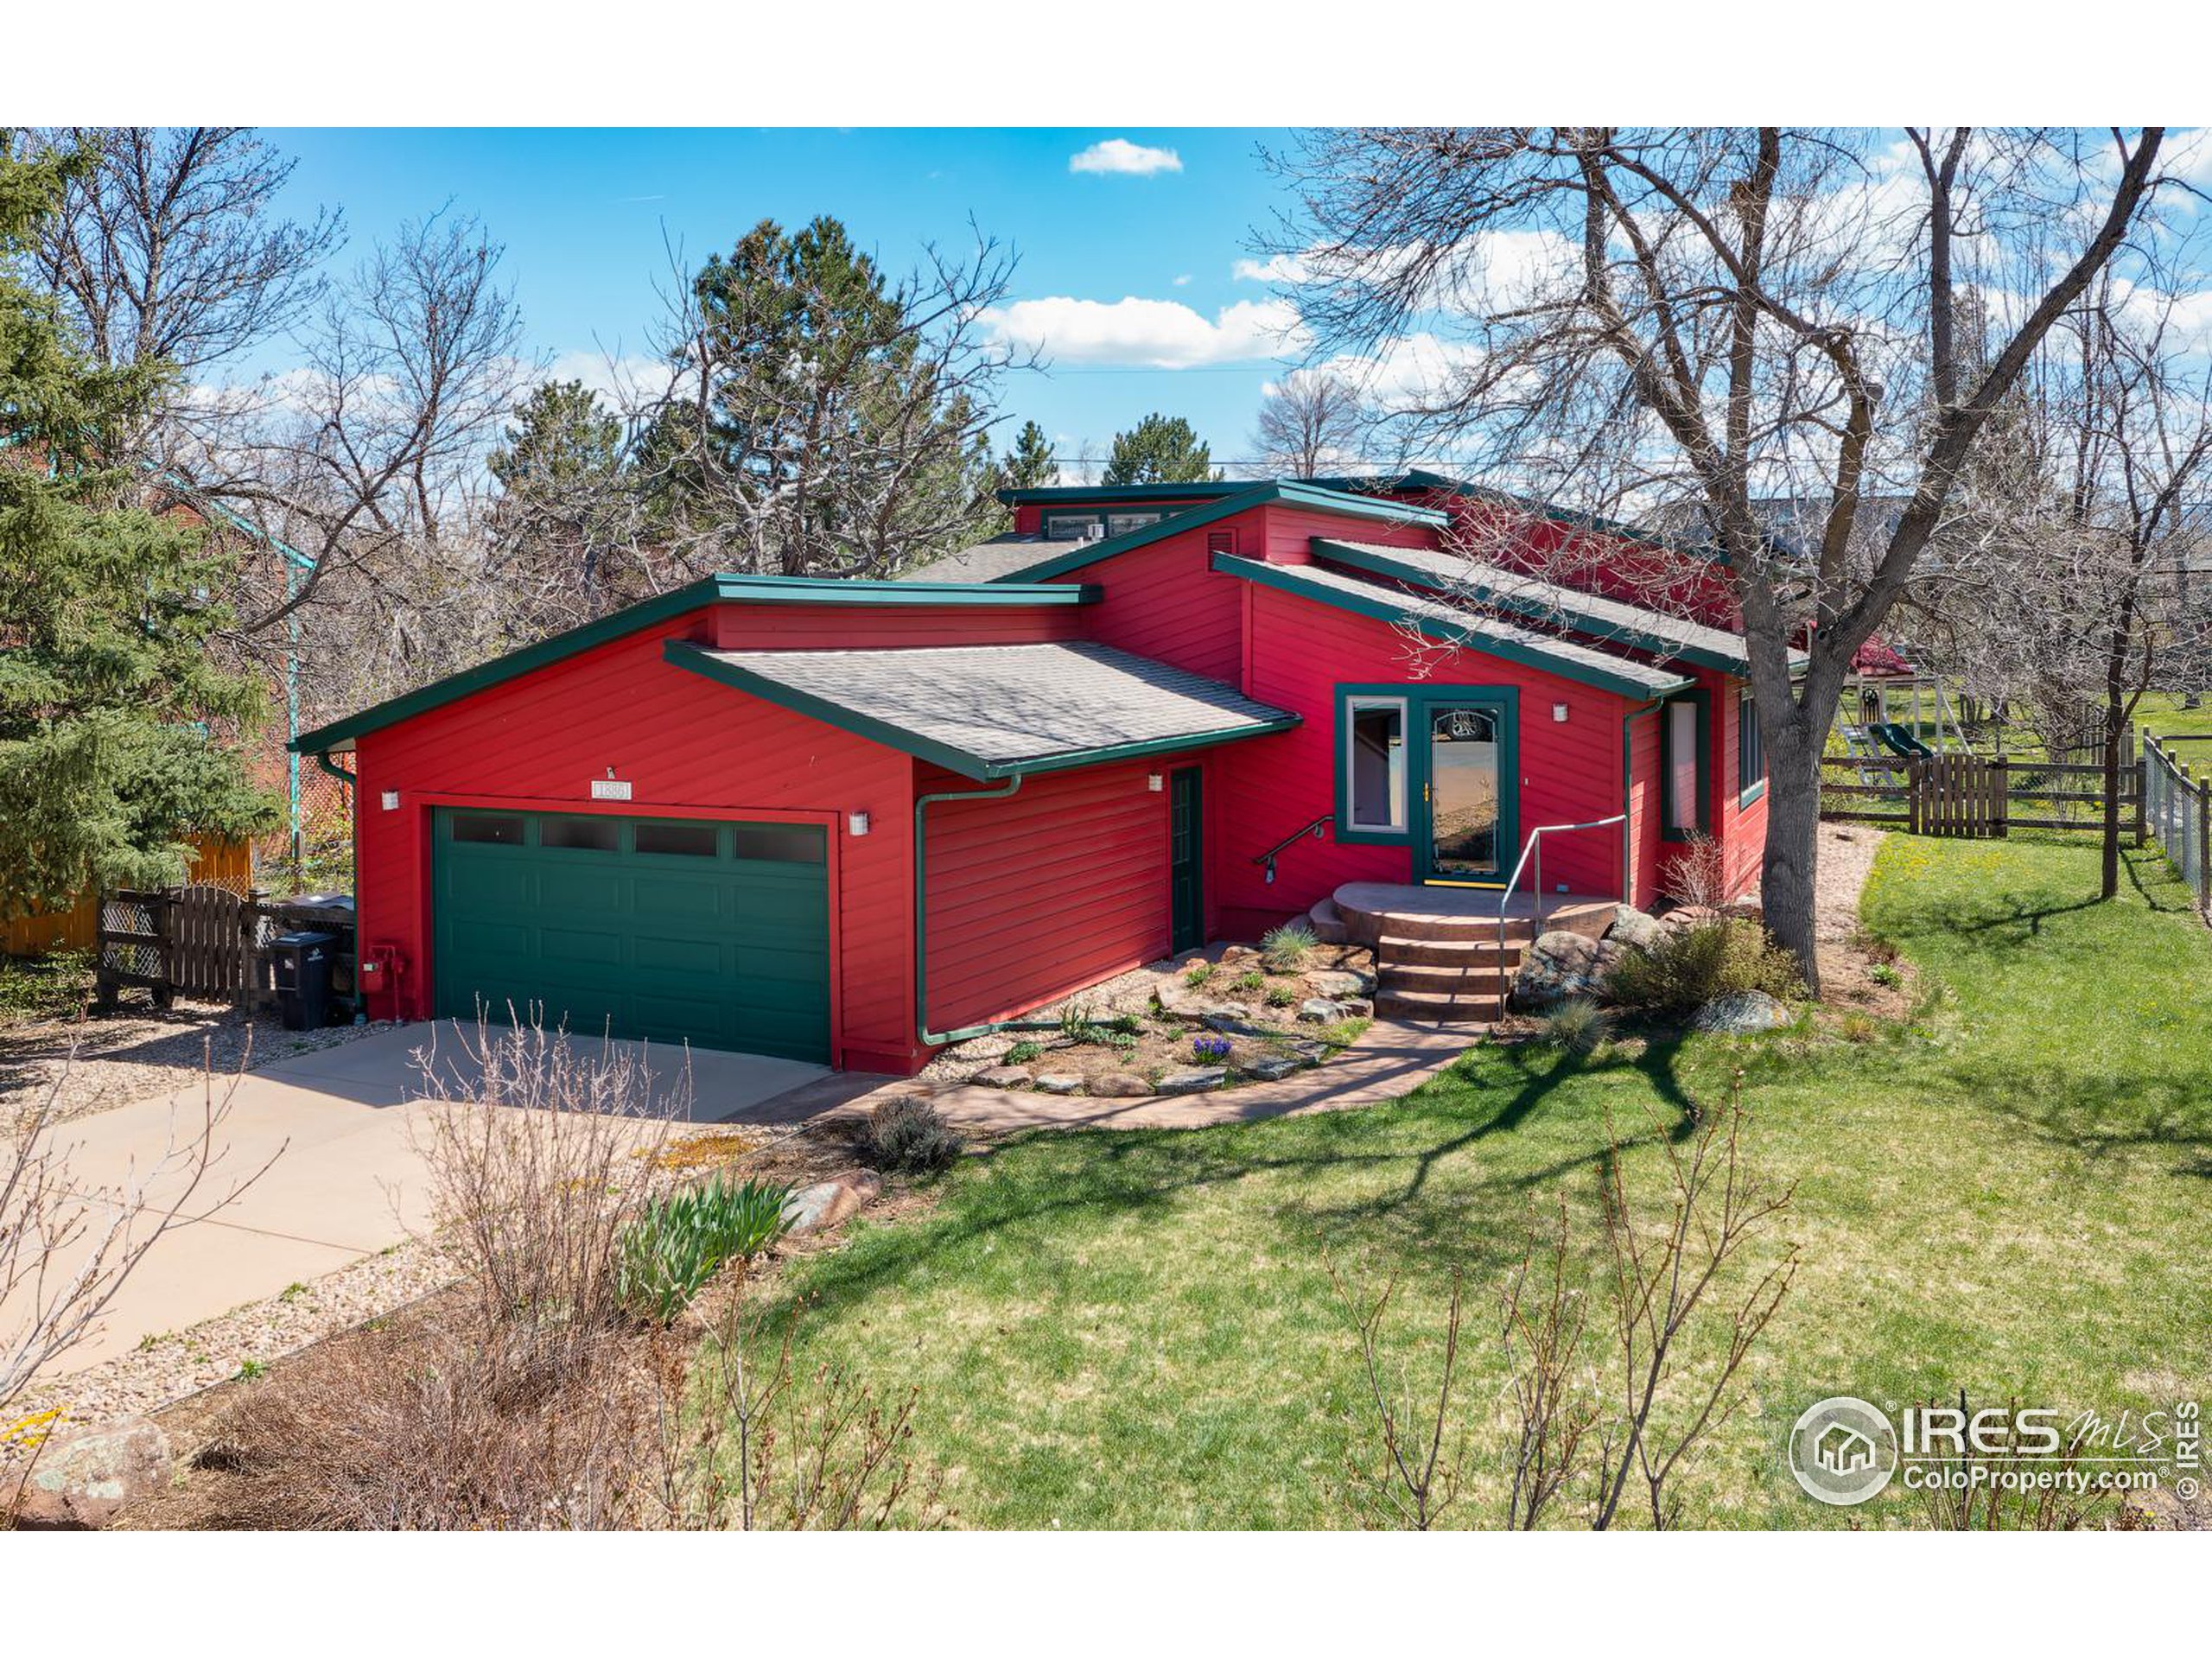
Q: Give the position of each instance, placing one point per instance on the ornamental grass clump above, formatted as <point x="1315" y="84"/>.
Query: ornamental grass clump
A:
<point x="1286" y="948"/>
<point x="1577" y="1026"/>
<point x="666" y="1256"/>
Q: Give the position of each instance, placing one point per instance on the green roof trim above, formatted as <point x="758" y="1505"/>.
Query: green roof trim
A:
<point x="702" y="660"/>
<point x="1285" y="490"/>
<point x="1636" y="681"/>
<point x="1595" y="615"/>
<point x="697" y="595"/>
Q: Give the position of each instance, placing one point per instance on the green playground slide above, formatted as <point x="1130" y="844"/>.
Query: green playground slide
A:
<point x="1899" y="741"/>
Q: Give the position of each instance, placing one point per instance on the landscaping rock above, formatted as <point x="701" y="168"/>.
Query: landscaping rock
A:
<point x="1058" y="1083"/>
<point x="1004" y="1076"/>
<point x="1238" y="956"/>
<point x="1320" y="1010"/>
<point x="1683" y="918"/>
<point x="1183" y="1000"/>
<point x="1560" y="965"/>
<point x="1192" y="1080"/>
<point x="1273" y="1068"/>
<point x="1232" y="1020"/>
<point x="1638" y="930"/>
<point x="83" y="1479"/>
<point x="1309" y="1053"/>
<point x="1741" y="1012"/>
<point x="817" y="1209"/>
<point x="1119" y="1085"/>
<point x="1341" y="981"/>
<point x="1356" y="1007"/>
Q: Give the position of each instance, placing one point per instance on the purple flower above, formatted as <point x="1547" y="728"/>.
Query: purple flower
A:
<point x="1210" y="1048"/>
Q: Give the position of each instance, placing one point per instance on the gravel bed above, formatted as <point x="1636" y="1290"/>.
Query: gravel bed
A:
<point x="166" y="1369"/>
<point x="138" y="1053"/>
<point x="1847" y="859"/>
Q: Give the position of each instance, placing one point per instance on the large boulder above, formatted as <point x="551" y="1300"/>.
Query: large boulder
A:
<point x="85" y="1478"/>
<point x="1004" y="1076"/>
<point x="1119" y="1085"/>
<point x="1341" y="981"/>
<point x="1636" y="929"/>
<point x="1560" y="965"/>
<point x="817" y="1209"/>
<point x="1740" y="1013"/>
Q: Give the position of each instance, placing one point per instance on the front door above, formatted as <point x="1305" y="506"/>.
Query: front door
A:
<point x="1468" y="761"/>
<point x="1185" y="861"/>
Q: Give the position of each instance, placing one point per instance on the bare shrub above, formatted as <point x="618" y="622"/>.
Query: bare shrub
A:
<point x="540" y="1152"/>
<point x="1671" y="1285"/>
<point x="1698" y="874"/>
<point x="2020" y="1492"/>
<point x="908" y="1132"/>
<point x="68" y="1242"/>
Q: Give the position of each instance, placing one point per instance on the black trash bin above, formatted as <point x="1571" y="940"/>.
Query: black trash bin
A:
<point x="302" y="963"/>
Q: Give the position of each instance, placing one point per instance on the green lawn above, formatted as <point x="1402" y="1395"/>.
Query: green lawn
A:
<point x="2011" y="1195"/>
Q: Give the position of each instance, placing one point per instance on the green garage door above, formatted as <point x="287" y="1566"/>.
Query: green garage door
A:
<point x="713" y="934"/>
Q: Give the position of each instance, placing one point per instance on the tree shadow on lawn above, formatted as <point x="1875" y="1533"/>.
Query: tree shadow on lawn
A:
<point x="1110" y="1175"/>
<point x="2102" y="1114"/>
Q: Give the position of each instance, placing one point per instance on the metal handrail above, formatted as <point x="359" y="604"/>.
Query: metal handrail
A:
<point x="1266" y="860"/>
<point x="1535" y="845"/>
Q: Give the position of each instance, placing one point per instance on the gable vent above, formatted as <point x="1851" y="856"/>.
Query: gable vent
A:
<point x="1221" y="541"/>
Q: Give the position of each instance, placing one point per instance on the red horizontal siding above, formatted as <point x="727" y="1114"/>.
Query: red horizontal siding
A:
<point x="683" y="743"/>
<point x="1165" y="601"/>
<point x="1041" y="894"/>
<point x="1302" y="652"/>
<point x="1286" y="533"/>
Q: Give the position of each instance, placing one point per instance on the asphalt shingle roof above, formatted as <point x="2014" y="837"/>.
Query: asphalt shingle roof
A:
<point x="1460" y="626"/>
<point x="991" y="561"/>
<point x="993" y="711"/>
<point x="1637" y="626"/>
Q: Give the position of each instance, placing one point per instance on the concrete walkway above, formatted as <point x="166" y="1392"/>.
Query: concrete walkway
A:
<point x="338" y="1130"/>
<point x="1390" y="1058"/>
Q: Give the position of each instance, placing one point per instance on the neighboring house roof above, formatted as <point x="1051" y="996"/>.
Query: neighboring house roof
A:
<point x="1002" y="555"/>
<point x="710" y="590"/>
<point x="1638" y="626"/>
<point x="1285" y="490"/>
<point x="992" y="711"/>
<point x="1453" y="626"/>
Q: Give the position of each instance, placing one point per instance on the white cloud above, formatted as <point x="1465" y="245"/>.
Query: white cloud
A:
<point x="622" y="383"/>
<point x="1411" y="370"/>
<point x="1493" y="267"/>
<point x="1151" y="333"/>
<point x="1183" y="280"/>
<point x="1120" y="156"/>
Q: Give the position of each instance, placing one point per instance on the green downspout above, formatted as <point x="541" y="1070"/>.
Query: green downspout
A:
<point x="323" y="758"/>
<point x="938" y="1039"/>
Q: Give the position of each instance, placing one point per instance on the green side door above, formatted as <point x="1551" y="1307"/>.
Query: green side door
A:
<point x="673" y="931"/>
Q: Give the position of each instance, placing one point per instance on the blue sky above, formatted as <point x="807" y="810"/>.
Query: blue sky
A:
<point x="584" y="215"/>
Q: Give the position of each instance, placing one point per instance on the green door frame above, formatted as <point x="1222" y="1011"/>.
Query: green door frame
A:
<point x="1503" y="702"/>
<point x="1186" y="919"/>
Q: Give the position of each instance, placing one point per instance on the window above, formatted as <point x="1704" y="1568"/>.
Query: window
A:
<point x="579" y="835"/>
<point x="1374" y="735"/>
<point x="499" y="830"/>
<point x="1750" y="755"/>
<point x="1072" y="526"/>
<point x="795" y="844"/>
<point x="1683" y="765"/>
<point x="677" y="840"/>
<point x="1121" y="523"/>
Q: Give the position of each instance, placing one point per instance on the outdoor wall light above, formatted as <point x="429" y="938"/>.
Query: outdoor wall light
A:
<point x="1559" y="712"/>
<point x="1156" y="783"/>
<point x="856" y="823"/>
<point x="392" y="800"/>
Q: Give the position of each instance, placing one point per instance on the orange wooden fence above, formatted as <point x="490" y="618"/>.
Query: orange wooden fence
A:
<point x="217" y="864"/>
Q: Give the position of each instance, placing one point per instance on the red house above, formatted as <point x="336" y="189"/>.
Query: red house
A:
<point x="843" y="821"/>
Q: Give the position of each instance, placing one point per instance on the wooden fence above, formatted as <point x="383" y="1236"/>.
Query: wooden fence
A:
<point x="2177" y="812"/>
<point x="215" y="863"/>
<point x="203" y="942"/>
<point x="1966" y="795"/>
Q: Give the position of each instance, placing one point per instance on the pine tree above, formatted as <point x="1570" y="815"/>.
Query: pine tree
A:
<point x="1160" y="450"/>
<point x="113" y="710"/>
<point x="1029" y="464"/>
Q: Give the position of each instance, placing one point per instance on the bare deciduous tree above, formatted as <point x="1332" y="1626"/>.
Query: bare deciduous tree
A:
<point x="1309" y="424"/>
<point x="1712" y="319"/>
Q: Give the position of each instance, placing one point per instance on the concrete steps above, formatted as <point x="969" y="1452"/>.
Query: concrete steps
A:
<point x="1327" y="925"/>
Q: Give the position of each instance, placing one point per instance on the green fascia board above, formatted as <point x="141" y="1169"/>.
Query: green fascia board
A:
<point x="699" y="660"/>
<point x="692" y="596"/>
<point x="1529" y="606"/>
<point x="1285" y="577"/>
<point x="1258" y="495"/>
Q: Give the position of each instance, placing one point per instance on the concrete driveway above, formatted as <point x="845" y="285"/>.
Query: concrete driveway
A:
<point x="337" y="1130"/>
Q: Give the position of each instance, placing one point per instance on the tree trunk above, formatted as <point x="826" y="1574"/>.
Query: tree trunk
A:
<point x="2115" y="718"/>
<point x="1792" y="859"/>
